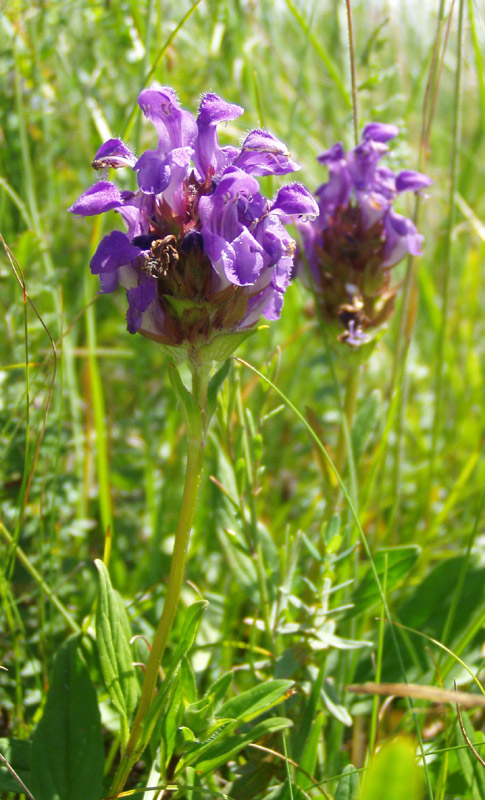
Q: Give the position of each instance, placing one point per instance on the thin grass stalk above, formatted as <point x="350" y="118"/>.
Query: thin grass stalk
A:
<point x="43" y="586"/>
<point x="98" y="405"/>
<point x="448" y="255"/>
<point x="344" y="444"/>
<point x="353" y="72"/>
<point x="37" y="228"/>
<point x="409" y="303"/>
<point x="379" y="658"/>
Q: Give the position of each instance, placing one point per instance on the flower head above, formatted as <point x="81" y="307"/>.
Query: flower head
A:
<point x="204" y="252"/>
<point x="358" y="237"/>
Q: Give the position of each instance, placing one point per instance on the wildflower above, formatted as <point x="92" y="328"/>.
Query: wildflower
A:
<point x="204" y="253"/>
<point x="350" y="249"/>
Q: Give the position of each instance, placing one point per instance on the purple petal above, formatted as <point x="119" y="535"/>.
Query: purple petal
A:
<point x="153" y="172"/>
<point x="208" y="153"/>
<point x="264" y="154"/>
<point x="379" y="132"/>
<point x="173" y="194"/>
<point x="373" y="206"/>
<point x="362" y="162"/>
<point x="335" y="153"/>
<point x="385" y="182"/>
<point x="410" y="181"/>
<point x="99" y="198"/>
<point x="108" y="282"/>
<point x="248" y="259"/>
<point x="267" y="303"/>
<point x="139" y="298"/>
<point x="175" y="127"/>
<point x="113" y="153"/>
<point x="401" y="237"/>
<point x="272" y="234"/>
<point x="213" y="109"/>
<point x="235" y="183"/>
<point x="136" y="211"/>
<point x="295" y="200"/>
<point x="113" y="251"/>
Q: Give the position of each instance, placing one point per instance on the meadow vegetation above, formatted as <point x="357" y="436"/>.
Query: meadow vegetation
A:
<point x="313" y="585"/>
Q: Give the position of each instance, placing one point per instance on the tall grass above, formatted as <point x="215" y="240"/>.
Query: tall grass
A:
<point x="96" y="465"/>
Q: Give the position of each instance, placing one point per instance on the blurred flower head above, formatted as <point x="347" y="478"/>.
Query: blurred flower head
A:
<point x="349" y="250"/>
<point x="204" y="253"/>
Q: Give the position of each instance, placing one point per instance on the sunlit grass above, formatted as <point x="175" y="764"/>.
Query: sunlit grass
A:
<point x="264" y="551"/>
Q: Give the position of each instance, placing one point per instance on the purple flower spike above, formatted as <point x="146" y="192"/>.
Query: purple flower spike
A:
<point x="349" y="250"/>
<point x="113" y="153"/>
<point x="204" y="253"/>
<point x="264" y="154"/>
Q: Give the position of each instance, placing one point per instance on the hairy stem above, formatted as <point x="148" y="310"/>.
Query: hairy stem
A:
<point x="193" y="474"/>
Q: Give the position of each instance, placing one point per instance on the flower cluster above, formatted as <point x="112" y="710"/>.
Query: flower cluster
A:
<point x="358" y="237"/>
<point x="205" y="253"/>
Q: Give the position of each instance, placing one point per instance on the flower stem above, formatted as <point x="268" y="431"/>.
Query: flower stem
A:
<point x="350" y="402"/>
<point x="193" y="474"/>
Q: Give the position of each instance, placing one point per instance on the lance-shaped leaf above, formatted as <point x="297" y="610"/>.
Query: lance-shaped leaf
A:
<point x="208" y="756"/>
<point x="348" y="785"/>
<point x="395" y="563"/>
<point x="250" y="704"/>
<point x="168" y="687"/>
<point x="67" y="748"/>
<point x="113" y="642"/>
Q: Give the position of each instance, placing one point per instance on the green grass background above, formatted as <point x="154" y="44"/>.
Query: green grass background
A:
<point x="99" y="443"/>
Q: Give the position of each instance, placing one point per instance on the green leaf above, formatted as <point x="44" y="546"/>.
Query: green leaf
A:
<point x="310" y="752"/>
<point x="167" y="689"/>
<point x="348" y="785"/>
<point x="198" y="715"/>
<point x="254" y="701"/>
<point x="17" y="753"/>
<point x="393" y="773"/>
<point x="472" y="771"/>
<point x="170" y="722"/>
<point x="365" y="423"/>
<point x="189" y="631"/>
<point x="223" y="345"/>
<point x="211" y="755"/>
<point x="67" y="748"/>
<point x="188" y="404"/>
<point x="219" y="688"/>
<point x="286" y="791"/>
<point x="215" y="384"/>
<point x="331" y="701"/>
<point x="112" y="640"/>
<point x="400" y="561"/>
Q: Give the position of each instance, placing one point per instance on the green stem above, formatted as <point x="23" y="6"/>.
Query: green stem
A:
<point x="344" y="443"/>
<point x="353" y="72"/>
<point x="193" y="474"/>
